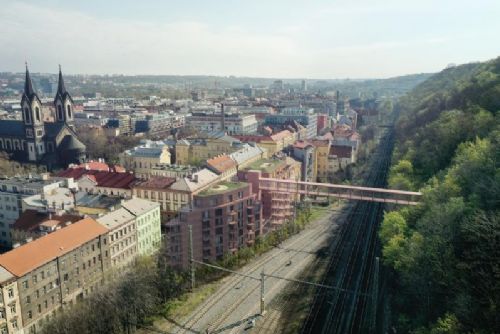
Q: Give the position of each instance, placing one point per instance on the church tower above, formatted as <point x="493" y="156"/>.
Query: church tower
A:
<point x="32" y="120"/>
<point x="63" y="103"/>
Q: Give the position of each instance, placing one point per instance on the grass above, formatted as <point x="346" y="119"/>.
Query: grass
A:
<point x="224" y="186"/>
<point x="183" y="306"/>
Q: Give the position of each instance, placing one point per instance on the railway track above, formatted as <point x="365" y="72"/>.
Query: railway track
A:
<point x="351" y="265"/>
<point x="194" y="322"/>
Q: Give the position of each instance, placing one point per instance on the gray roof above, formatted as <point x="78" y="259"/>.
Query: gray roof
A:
<point x="139" y="206"/>
<point x="5" y="275"/>
<point x="116" y="218"/>
<point x="11" y="128"/>
<point x="246" y="153"/>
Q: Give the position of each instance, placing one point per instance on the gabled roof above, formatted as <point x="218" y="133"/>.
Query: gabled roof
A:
<point x="221" y="163"/>
<point x="116" y="218"/>
<point x="30" y="220"/>
<point x="139" y="206"/>
<point x="196" y="182"/>
<point x="160" y="182"/>
<point x="26" y="258"/>
<point x="102" y="178"/>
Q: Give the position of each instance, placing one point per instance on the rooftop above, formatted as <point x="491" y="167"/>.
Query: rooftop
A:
<point x="115" y="218"/>
<point x="26" y="258"/>
<point x="196" y="181"/>
<point x="221" y="163"/>
<point x="30" y="220"/>
<point x="265" y="165"/>
<point x="222" y="187"/>
<point x="97" y="201"/>
<point x="159" y="182"/>
<point x="139" y="206"/>
<point x="101" y="178"/>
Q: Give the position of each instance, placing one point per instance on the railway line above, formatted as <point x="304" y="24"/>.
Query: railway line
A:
<point x="238" y="294"/>
<point x="351" y="266"/>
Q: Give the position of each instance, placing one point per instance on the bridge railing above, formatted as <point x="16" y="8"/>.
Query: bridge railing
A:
<point x="315" y="189"/>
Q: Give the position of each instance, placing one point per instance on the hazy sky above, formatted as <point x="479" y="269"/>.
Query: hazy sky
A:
<point x="273" y="38"/>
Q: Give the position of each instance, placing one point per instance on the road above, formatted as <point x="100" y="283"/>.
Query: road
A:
<point x="238" y="299"/>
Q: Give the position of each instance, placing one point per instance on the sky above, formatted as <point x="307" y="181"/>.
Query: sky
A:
<point x="320" y="39"/>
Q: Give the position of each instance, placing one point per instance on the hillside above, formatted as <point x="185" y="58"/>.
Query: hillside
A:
<point x="445" y="253"/>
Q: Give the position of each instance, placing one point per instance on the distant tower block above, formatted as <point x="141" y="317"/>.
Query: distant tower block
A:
<point x="303" y="86"/>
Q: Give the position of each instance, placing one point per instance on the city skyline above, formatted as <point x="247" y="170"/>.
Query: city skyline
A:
<point x="324" y="40"/>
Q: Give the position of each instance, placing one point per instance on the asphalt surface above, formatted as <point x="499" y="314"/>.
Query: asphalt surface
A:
<point x="237" y="301"/>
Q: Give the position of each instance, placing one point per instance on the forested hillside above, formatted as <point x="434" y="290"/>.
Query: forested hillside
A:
<point x="445" y="253"/>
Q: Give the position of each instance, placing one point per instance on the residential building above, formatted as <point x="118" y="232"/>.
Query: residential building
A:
<point x="249" y="153"/>
<point x="95" y="205"/>
<point x="57" y="269"/>
<point x="224" y="218"/>
<point x="173" y="194"/>
<point x="148" y="224"/>
<point x="175" y="171"/>
<point x="101" y="182"/>
<point x="277" y="208"/>
<point x="12" y="191"/>
<point x="141" y="159"/>
<point x="33" y="224"/>
<point x="11" y="320"/>
<point x="122" y="236"/>
<point x="234" y="123"/>
<point x="198" y="150"/>
<point x="305" y="117"/>
<point x="272" y="143"/>
<point x="223" y="166"/>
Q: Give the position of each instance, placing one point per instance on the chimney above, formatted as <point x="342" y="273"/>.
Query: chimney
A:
<point x="223" y="121"/>
<point x="195" y="178"/>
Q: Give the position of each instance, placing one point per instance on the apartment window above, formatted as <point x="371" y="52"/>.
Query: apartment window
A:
<point x="14" y="324"/>
<point x="42" y="274"/>
<point x="30" y="315"/>
<point x="25" y="284"/>
<point x="11" y="293"/>
<point x="2" y="315"/>
<point x="39" y="308"/>
<point x="37" y="293"/>
<point x="13" y="309"/>
<point x="28" y="299"/>
<point x="46" y="304"/>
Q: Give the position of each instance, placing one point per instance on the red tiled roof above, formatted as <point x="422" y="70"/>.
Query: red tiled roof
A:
<point x="101" y="166"/>
<point x="281" y="135"/>
<point x="29" y="220"/>
<point x="221" y="163"/>
<point x="26" y="258"/>
<point x="102" y="178"/>
<point x="160" y="182"/>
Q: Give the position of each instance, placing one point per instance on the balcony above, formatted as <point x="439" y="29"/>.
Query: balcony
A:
<point x="232" y="222"/>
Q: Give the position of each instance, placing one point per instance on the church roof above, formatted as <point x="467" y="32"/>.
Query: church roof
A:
<point x="69" y="142"/>
<point x="29" y="92"/>
<point x="11" y="128"/>
<point x="62" y="93"/>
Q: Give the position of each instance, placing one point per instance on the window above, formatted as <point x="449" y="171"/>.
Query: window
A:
<point x="13" y="309"/>
<point x="69" y="111"/>
<point x="37" y="114"/>
<point x="25" y="284"/>
<point x="27" y="115"/>
<point x="28" y="299"/>
<point x="59" y="112"/>
<point x="30" y="315"/>
<point x="11" y="293"/>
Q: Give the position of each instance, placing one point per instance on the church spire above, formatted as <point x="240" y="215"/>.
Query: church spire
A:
<point x="61" y="89"/>
<point x="28" y="86"/>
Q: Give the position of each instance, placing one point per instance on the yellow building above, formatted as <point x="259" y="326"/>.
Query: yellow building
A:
<point x="142" y="158"/>
<point x="273" y="143"/>
<point x="195" y="151"/>
<point x="321" y="163"/>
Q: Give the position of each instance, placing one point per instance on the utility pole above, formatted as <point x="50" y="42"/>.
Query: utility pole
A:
<point x="191" y="256"/>
<point x="373" y="324"/>
<point x="262" y="305"/>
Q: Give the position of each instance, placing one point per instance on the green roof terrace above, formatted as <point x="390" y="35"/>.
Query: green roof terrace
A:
<point x="222" y="187"/>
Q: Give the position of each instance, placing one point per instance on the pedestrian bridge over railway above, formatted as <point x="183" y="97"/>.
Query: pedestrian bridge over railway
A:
<point x="341" y="191"/>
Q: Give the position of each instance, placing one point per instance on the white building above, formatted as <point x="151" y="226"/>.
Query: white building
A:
<point x="235" y="124"/>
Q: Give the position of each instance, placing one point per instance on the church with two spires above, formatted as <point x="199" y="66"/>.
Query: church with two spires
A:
<point x="34" y="141"/>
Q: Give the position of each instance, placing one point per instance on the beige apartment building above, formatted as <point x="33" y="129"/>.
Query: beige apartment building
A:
<point x="193" y="151"/>
<point x="55" y="270"/>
